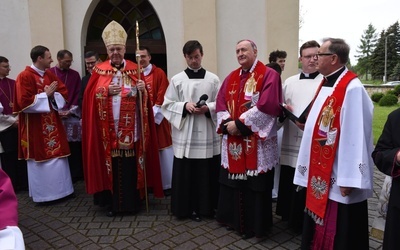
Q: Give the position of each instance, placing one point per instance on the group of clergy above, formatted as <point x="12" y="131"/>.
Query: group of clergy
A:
<point x="223" y="136"/>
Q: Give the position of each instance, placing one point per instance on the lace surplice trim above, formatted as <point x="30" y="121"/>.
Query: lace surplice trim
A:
<point x="258" y="121"/>
<point x="267" y="157"/>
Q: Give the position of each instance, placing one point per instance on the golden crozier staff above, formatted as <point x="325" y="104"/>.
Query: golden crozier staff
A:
<point x="143" y="160"/>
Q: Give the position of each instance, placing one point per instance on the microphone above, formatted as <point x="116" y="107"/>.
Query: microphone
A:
<point x="202" y="101"/>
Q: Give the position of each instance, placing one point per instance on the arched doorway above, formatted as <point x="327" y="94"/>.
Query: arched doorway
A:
<point x="127" y="12"/>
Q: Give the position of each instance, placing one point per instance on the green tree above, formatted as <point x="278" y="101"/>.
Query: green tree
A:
<point x="392" y="36"/>
<point x="365" y="49"/>
<point x="396" y="73"/>
<point x="393" y="45"/>
<point x="378" y="58"/>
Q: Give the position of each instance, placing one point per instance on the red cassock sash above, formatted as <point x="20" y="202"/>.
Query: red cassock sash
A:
<point x="242" y="151"/>
<point x="324" y="143"/>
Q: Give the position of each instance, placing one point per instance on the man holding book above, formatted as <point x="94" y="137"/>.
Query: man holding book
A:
<point x="298" y="92"/>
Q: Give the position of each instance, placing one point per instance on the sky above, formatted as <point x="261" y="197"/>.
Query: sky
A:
<point x="347" y="19"/>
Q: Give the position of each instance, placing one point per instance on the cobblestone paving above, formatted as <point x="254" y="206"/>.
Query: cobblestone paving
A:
<point x="78" y="224"/>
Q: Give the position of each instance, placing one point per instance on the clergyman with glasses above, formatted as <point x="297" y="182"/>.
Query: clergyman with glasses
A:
<point x="91" y="59"/>
<point x="298" y="92"/>
<point x="336" y="165"/>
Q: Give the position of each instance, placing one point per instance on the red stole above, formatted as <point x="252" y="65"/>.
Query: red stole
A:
<point x="324" y="143"/>
<point x="242" y="151"/>
<point x="121" y="143"/>
<point x="96" y="136"/>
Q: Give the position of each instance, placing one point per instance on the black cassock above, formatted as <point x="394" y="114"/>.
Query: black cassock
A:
<point x="384" y="157"/>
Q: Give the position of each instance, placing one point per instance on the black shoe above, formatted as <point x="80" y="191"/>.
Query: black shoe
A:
<point x="111" y="214"/>
<point x="228" y="228"/>
<point x="195" y="217"/>
<point x="167" y="192"/>
<point x="246" y="236"/>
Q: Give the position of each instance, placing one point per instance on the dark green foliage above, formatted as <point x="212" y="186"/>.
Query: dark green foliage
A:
<point x="368" y="44"/>
<point x="392" y="37"/>
<point x="395" y="76"/>
<point x="376" y="97"/>
<point x="388" y="100"/>
<point x="397" y="90"/>
<point x="391" y="92"/>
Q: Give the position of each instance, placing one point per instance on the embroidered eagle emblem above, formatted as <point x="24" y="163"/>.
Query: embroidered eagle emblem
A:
<point x="235" y="150"/>
<point x="319" y="187"/>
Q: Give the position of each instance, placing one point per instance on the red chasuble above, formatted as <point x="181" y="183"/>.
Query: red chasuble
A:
<point x="157" y="84"/>
<point x="325" y="139"/>
<point x="41" y="135"/>
<point x="100" y="143"/>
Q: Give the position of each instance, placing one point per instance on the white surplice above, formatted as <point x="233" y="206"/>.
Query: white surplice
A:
<point x="48" y="180"/>
<point x="297" y="93"/>
<point x="353" y="165"/>
<point x="193" y="136"/>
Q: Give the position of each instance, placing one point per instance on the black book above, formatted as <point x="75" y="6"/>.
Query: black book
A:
<point x="301" y="119"/>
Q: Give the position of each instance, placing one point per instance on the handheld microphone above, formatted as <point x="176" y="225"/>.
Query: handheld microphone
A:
<point x="202" y="101"/>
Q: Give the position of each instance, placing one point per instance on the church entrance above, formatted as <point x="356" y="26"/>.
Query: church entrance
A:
<point x="127" y="12"/>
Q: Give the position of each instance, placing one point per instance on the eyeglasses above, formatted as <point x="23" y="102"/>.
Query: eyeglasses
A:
<point x="322" y="54"/>
<point x="90" y="63"/>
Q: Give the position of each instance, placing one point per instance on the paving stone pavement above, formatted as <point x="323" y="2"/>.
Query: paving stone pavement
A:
<point x="78" y="224"/>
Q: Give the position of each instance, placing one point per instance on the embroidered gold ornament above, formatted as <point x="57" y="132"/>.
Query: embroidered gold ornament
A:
<point x="114" y="34"/>
<point x="250" y="87"/>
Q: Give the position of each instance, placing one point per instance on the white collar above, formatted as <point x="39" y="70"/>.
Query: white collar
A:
<point x="194" y="70"/>
<point x="147" y="70"/>
<point x="252" y="67"/>
<point x="39" y="71"/>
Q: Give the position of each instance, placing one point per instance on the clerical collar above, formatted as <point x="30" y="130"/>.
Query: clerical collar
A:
<point x="147" y="70"/>
<point x="308" y="75"/>
<point x="242" y="71"/>
<point x="121" y="66"/>
<point x="61" y="69"/>
<point x="331" y="78"/>
<point x="39" y="71"/>
<point x="195" y="70"/>
<point x="198" y="74"/>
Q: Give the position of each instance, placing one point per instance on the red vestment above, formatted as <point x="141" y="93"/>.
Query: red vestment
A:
<point x="157" y="84"/>
<point x="41" y="135"/>
<point x="8" y="202"/>
<point x="99" y="140"/>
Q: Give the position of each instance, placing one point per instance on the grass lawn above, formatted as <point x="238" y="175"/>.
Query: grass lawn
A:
<point x="380" y="116"/>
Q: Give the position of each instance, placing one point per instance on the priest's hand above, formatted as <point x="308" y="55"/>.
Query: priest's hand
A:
<point x="190" y="107"/>
<point x="289" y="107"/>
<point x="114" y="89"/>
<point x="50" y="89"/>
<point x="140" y="85"/>
<point x="345" y="191"/>
<point x="398" y="158"/>
<point x="202" y="110"/>
<point x="231" y="128"/>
